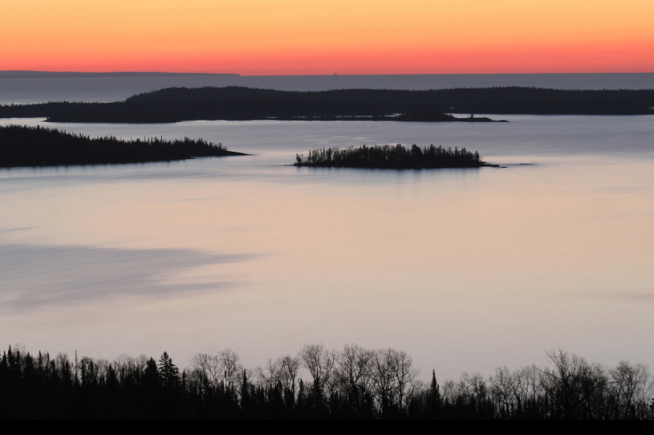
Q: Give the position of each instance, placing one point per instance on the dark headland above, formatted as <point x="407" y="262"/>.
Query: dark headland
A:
<point x="28" y="146"/>
<point x="392" y="157"/>
<point x="240" y="103"/>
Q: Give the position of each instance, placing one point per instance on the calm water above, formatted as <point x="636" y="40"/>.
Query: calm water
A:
<point x="463" y="269"/>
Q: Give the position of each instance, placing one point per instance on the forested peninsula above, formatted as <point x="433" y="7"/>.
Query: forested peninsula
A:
<point x="36" y="146"/>
<point x="241" y="103"/>
<point x="317" y="383"/>
<point x="391" y="157"/>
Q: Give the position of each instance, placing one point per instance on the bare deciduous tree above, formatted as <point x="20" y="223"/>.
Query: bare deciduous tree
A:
<point x="231" y="367"/>
<point x="288" y="372"/>
<point x="504" y="390"/>
<point x="632" y="389"/>
<point x="208" y="368"/>
<point x="320" y="363"/>
<point x="353" y="368"/>
<point x="405" y="374"/>
<point x="576" y="386"/>
<point x="269" y="375"/>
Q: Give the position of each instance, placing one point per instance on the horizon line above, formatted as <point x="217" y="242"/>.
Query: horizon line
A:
<point x="336" y="74"/>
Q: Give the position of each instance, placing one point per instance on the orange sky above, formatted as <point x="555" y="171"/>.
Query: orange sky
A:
<point x="260" y="37"/>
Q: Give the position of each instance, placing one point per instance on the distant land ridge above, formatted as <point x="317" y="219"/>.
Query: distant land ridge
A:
<point x="242" y="103"/>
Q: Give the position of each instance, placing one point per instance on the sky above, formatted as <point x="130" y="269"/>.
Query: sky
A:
<point x="297" y="37"/>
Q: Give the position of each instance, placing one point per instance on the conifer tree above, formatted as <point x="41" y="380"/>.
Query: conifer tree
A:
<point x="151" y="374"/>
<point x="245" y="393"/>
<point x="168" y="372"/>
<point x="434" y="397"/>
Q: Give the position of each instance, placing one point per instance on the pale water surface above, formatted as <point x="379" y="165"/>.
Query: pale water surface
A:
<point x="463" y="269"/>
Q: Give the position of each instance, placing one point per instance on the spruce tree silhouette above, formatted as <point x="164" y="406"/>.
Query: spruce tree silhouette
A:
<point x="168" y="372"/>
<point x="434" y="397"/>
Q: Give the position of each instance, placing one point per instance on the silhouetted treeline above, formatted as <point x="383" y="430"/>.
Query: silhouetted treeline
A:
<point x="433" y="116"/>
<point x="354" y="383"/>
<point x="240" y="103"/>
<point x="391" y="157"/>
<point x="29" y="146"/>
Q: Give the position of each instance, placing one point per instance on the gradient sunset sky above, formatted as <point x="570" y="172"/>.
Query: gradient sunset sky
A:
<point x="266" y="37"/>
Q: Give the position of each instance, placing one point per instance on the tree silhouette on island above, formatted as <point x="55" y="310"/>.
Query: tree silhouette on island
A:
<point x="36" y="146"/>
<point x="391" y="157"/>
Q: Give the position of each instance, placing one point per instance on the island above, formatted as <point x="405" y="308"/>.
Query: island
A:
<point x="237" y="103"/>
<point x="392" y="157"/>
<point x="22" y="146"/>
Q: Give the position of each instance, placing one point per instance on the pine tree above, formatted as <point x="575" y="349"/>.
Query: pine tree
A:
<point x="245" y="394"/>
<point x="168" y="372"/>
<point x="434" y="397"/>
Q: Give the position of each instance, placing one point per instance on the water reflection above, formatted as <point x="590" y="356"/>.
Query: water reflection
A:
<point x="34" y="276"/>
<point x="463" y="269"/>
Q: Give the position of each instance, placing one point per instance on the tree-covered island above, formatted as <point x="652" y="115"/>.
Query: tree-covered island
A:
<point x="392" y="157"/>
<point x="36" y="146"/>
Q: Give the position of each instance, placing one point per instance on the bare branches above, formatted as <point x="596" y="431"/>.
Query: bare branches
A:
<point x="631" y="386"/>
<point x="320" y="363"/>
<point x="214" y="370"/>
<point x="351" y="383"/>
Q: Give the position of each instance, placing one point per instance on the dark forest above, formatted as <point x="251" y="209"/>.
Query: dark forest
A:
<point x="36" y="146"/>
<point x="391" y="157"/>
<point x="354" y="383"/>
<point x="240" y="103"/>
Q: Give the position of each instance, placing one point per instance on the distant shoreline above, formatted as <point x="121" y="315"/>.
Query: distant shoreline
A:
<point x="237" y="103"/>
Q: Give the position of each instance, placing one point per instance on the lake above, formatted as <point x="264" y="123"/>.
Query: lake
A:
<point x="464" y="269"/>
